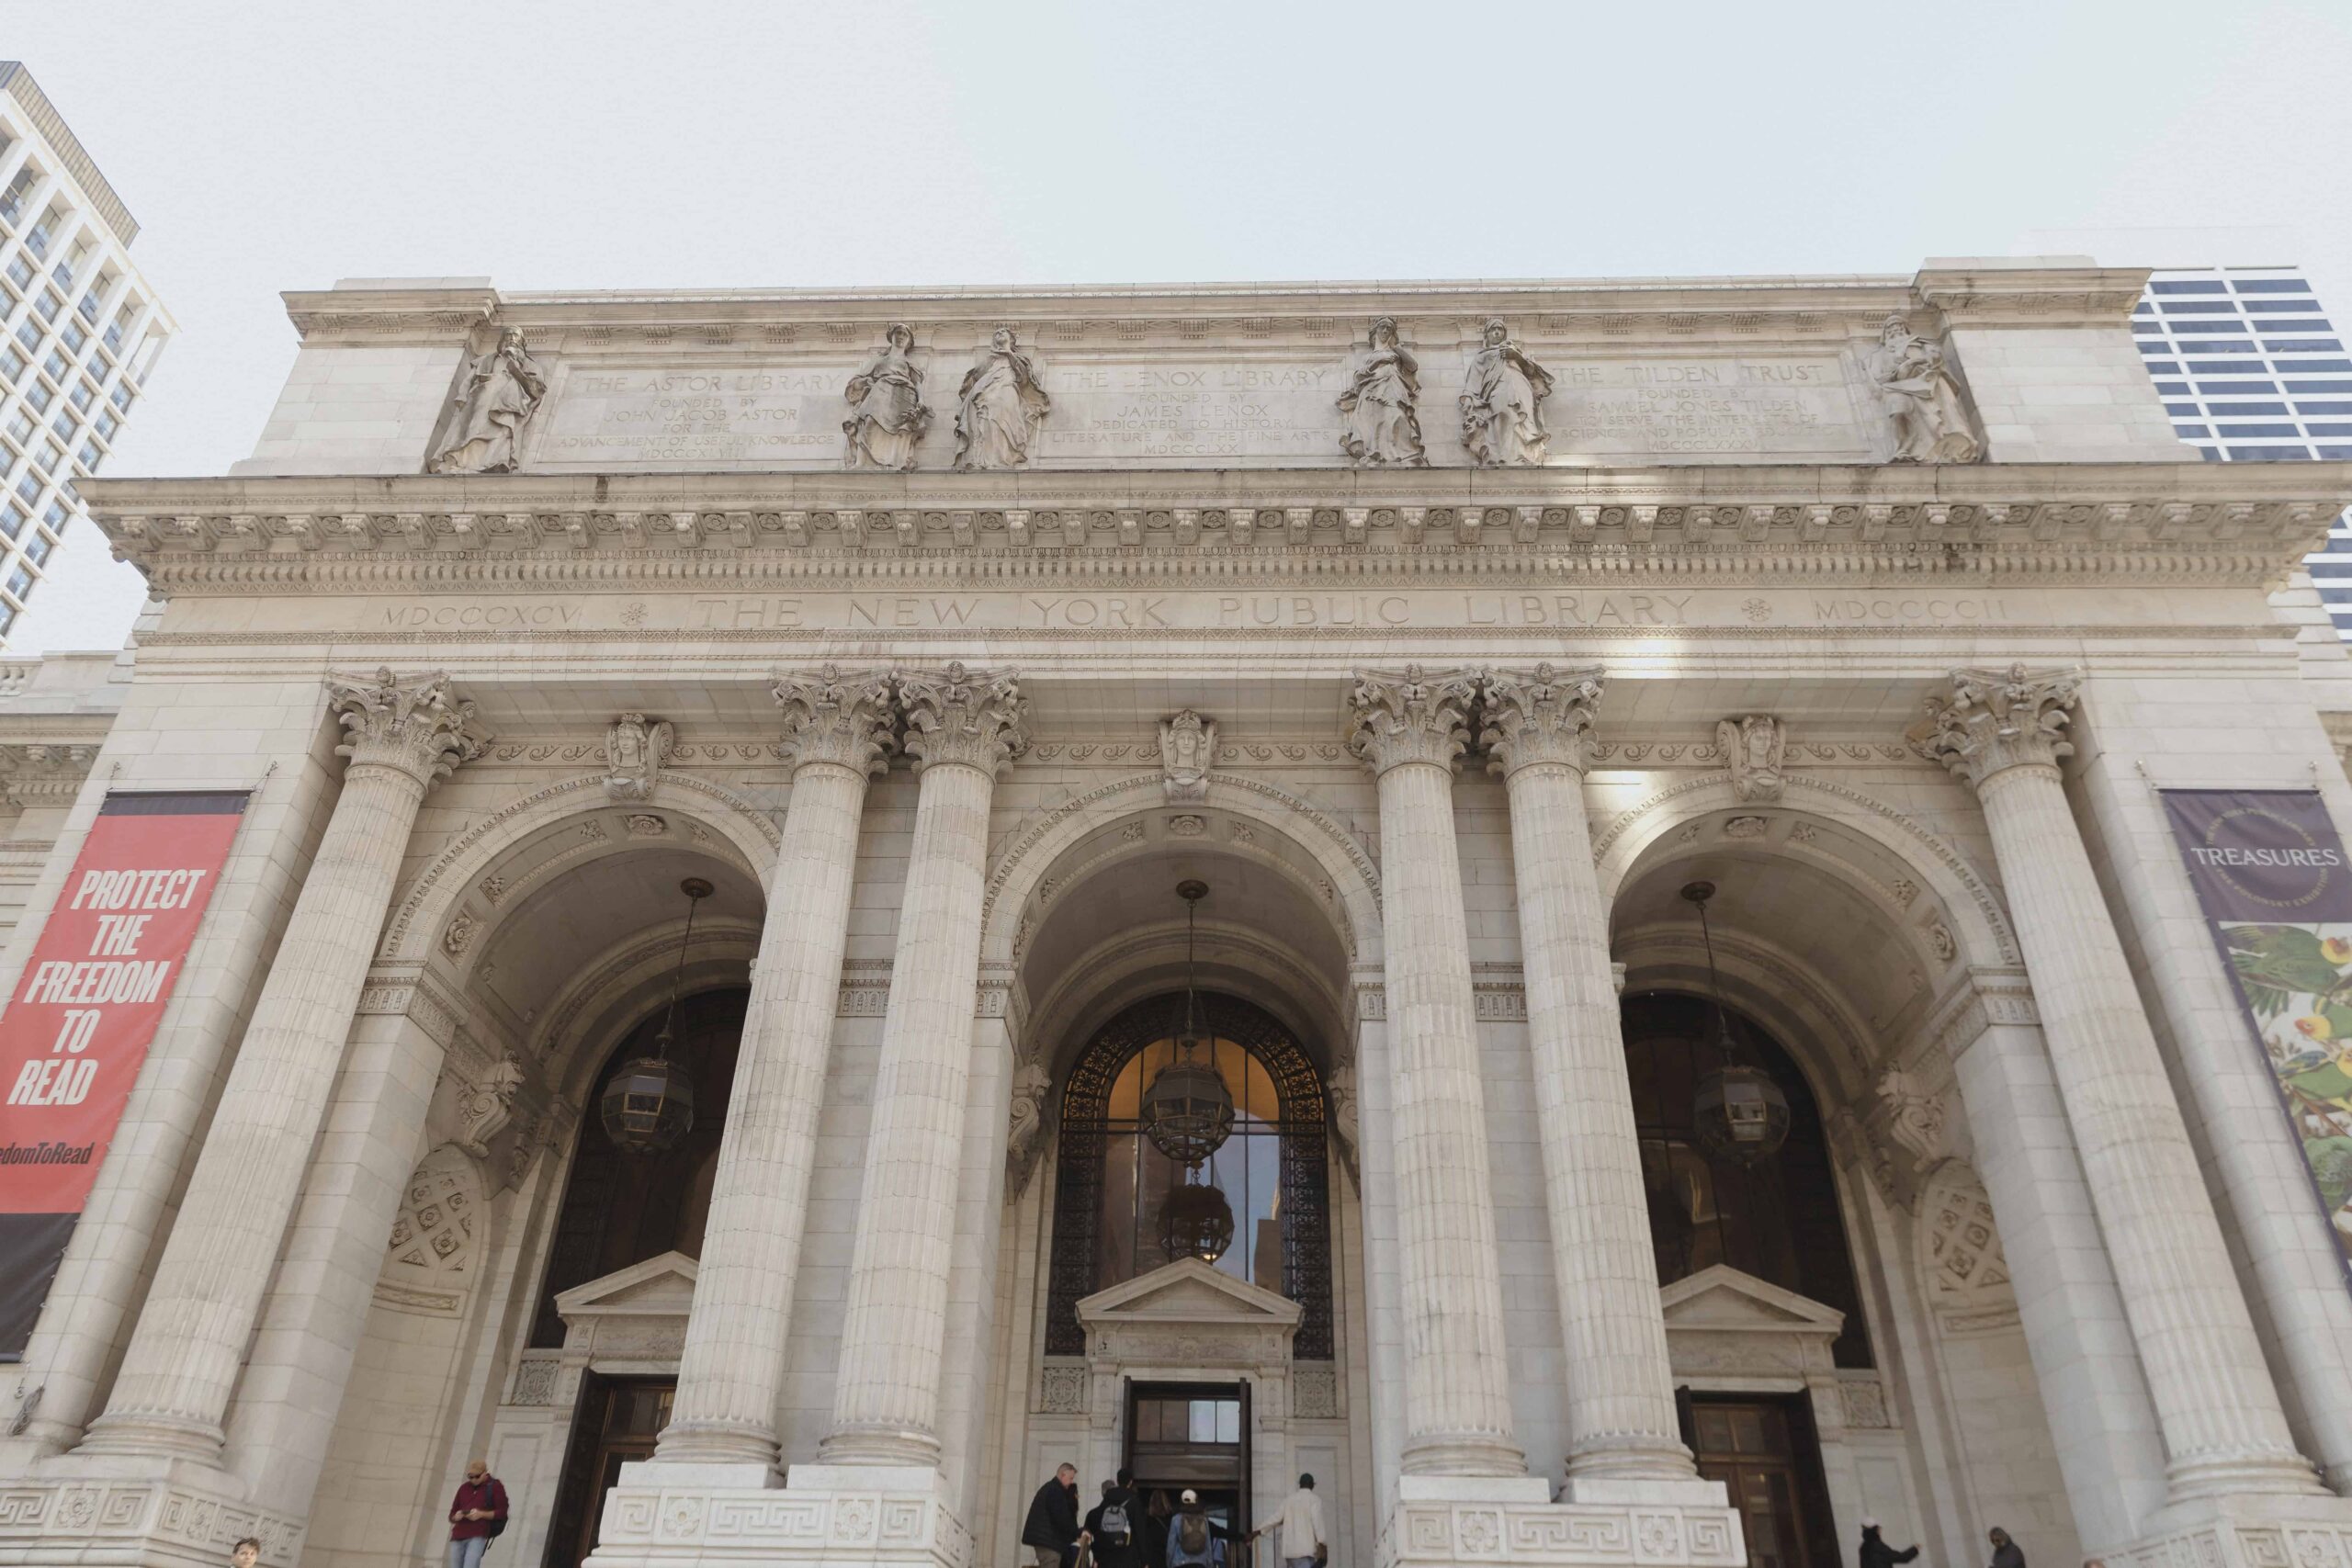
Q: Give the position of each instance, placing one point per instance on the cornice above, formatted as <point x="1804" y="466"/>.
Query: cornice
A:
<point x="2245" y="523"/>
<point x="1604" y="309"/>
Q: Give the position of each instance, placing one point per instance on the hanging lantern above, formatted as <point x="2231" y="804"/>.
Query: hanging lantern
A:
<point x="1195" y="1222"/>
<point x="1738" y="1112"/>
<point x="1187" y="1110"/>
<point x="649" y="1104"/>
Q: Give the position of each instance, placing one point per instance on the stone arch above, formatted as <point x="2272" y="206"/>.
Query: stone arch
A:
<point x="1349" y="883"/>
<point x="721" y="823"/>
<point x="1776" y="986"/>
<point x="615" y="988"/>
<point x="1983" y="936"/>
<point x="435" y="1253"/>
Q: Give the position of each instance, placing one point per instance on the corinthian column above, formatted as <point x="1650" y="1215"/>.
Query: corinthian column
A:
<point x="1621" y="1389"/>
<point x="2003" y="732"/>
<point x="174" y="1388"/>
<point x="837" y="733"/>
<point x="1409" y="729"/>
<point x="962" y="729"/>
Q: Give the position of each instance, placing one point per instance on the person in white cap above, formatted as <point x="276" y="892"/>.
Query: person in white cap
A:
<point x="1876" y="1553"/>
<point x="1195" y="1539"/>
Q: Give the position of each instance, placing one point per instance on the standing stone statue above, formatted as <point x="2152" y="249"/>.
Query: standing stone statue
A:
<point x="1502" y="403"/>
<point x="1378" y="427"/>
<point x="887" y="415"/>
<point x="502" y="389"/>
<point x="1001" y="407"/>
<point x="1919" y="394"/>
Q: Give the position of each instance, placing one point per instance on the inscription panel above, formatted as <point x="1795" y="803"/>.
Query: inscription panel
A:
<point x="722" y="615"/>
<point x="1209" y="411"/>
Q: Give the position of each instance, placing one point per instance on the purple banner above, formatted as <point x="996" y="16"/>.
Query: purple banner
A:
<point x="2272" y="877"/>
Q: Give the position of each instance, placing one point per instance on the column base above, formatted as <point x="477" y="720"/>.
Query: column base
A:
<point x="673" y="1515"/>
<point x="2262" y="1530"/>
<point x="134" y="1511"/>
<point x="1443" y="1521"/>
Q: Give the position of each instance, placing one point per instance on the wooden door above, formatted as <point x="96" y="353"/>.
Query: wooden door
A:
<point x="618" y="1422"/>
<point x="1761" y="1452"/>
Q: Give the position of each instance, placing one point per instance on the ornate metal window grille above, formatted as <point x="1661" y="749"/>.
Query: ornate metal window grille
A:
<point x="1089" y="1134"/>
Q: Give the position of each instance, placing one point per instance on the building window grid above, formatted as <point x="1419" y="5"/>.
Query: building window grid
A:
<point x="2273" y="367"/>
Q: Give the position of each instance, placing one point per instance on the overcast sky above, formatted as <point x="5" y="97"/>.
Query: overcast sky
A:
<point x="649" y="145"/>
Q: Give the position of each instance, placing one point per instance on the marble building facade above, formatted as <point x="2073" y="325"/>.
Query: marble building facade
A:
<point x="1445" y="632"/>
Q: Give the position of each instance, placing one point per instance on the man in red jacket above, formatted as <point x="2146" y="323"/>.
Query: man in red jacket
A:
<point x="477" y="1513"/>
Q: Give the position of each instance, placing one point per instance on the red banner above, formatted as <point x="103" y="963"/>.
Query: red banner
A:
<point x="73" y="1036"/>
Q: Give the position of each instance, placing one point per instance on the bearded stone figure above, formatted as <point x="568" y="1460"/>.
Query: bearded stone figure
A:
<point x="1919" y="393"/>
<point x="1502" y="403"/>
<point x="1000" y="407"/>
<point x="502" y="390"/>
<point x="1378" y="425"/>
<point x="886" y="416"/>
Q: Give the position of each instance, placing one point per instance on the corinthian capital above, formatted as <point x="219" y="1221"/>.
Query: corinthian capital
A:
<point x="419" y="727"/>
<point x="1539" y="715"/>
<point x="832" y="718"/>
<point x="1994" y="719"/>
<point x="959" y="715"/>
<point x="1408" y="716"/>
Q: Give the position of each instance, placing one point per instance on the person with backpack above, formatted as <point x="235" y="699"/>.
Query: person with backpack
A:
<point x="477" y="1514"/>
<point x="1195" y="1539"/>
<point x="1116" y="1525"/>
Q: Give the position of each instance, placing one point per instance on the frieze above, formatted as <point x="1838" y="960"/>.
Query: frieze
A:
<point x="111" y="1518"/>
<point x="1558" y="1535"/>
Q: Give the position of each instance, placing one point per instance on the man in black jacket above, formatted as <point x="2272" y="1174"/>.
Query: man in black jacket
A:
<point x="1052" y="1526"/>
<point x="1876" y="1553"/>
<point x="1116" y="1525"/>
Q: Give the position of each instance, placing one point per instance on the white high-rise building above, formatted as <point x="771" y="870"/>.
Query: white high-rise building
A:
<point x="80" y="335"/>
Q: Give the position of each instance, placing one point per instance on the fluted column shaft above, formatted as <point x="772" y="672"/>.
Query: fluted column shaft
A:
<point x="1409" y="730"/>
<point x="961" y="730"/>
<point x="1622" y="1417"/>
<point x="173" y="1391"/>
<point x="731" y="1371"/>
<point x="2223" y="1429"/>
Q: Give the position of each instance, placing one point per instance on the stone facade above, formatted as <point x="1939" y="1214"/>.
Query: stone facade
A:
<point x="1444" y="632"/>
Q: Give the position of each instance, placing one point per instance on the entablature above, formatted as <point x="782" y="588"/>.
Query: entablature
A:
<point x="2185" y="524"/>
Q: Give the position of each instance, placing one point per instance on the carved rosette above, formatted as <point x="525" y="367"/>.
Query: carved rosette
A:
<point x="1410" y="717"/>
<point x="1539" y="716"/>
<point x="964" y="716"/>
<point x="420" y="726"/>
<point x="837" y="718"/>
<point x="1997" y="719"/>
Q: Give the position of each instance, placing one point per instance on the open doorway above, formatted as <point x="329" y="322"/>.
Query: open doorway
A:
<point x="1192" y="1436"/>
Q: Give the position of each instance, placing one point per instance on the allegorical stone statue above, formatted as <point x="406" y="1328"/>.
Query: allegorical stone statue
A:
<point x="502" y="390"/>
<point x="1001" y="406"/>
<point x="1187" y="751"/>
<point x="1378" y="425"/>
<point x="887" y="415"/>
<point x="1502" y="403"/>
<point x="634" y="749"/>
<point x="1918" y="392"/>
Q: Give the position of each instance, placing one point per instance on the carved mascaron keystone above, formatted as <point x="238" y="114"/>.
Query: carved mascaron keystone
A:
<point x="959" y="715"/>
<point x="1538" y="716"/>
<point x="1753" y="749"/>
<point x="1187" y="748"/>
<point x="634" y="749"/>
<point x="1398" y="717"/>
<point x="1995" y="719"/>
<point x="837" y="718"/>
<point x="421" y="728"/>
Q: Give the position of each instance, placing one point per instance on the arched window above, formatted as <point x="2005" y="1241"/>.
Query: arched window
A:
<point x="1111" y="1179"/>
<point x="621" y="1208"/>
<point x="1778" y="1219"/>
